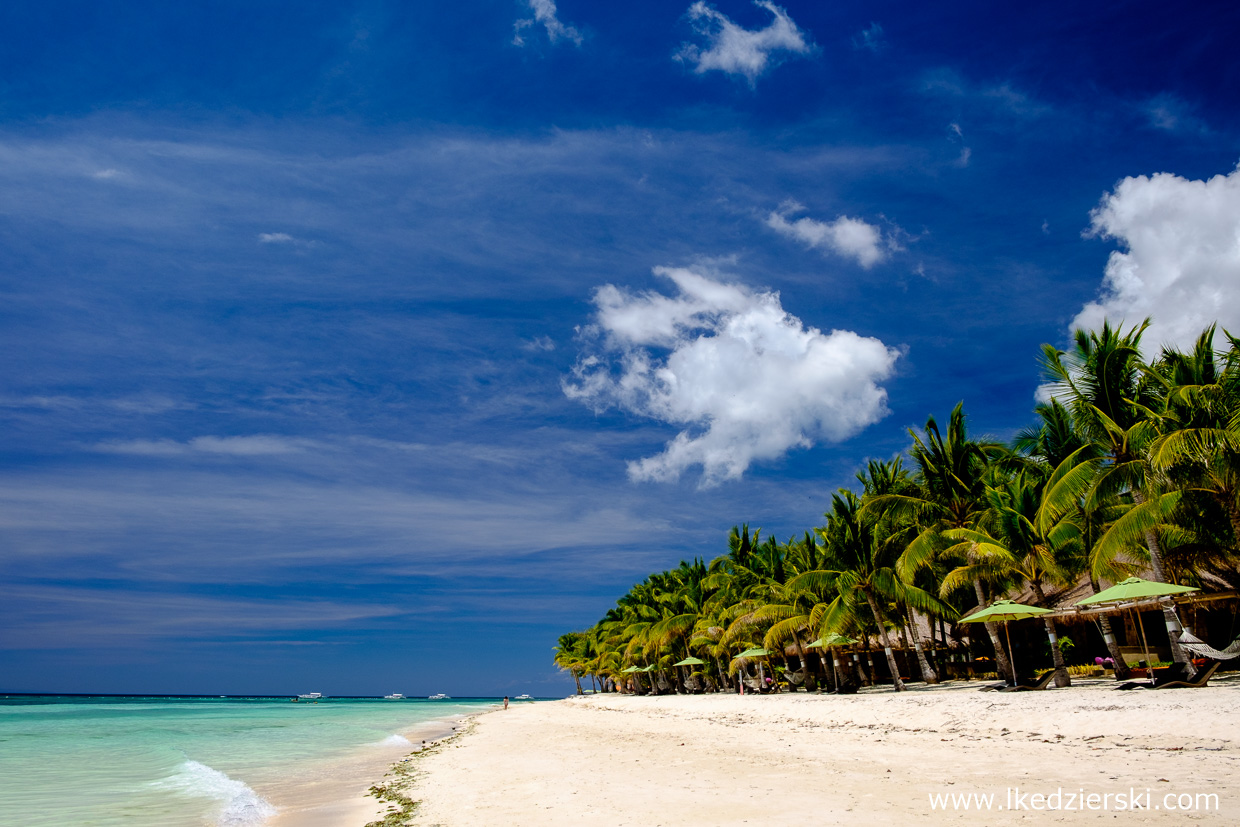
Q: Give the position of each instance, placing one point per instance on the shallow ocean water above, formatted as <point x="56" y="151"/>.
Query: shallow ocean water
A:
<point x="183" y="762"/>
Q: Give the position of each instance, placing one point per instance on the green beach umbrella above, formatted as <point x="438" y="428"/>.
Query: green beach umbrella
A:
<point x="690" y="661"/>
<point x="630" y="670"/>
<point x="1132" y="589"/>
<point x="649" y="668"/>
<point x="756" y="652"/>
<point x="1005" y="610"/>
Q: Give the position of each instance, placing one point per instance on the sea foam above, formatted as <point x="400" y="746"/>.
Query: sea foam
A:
<point x="396" y="741"/>
<point x="238" y="804"/>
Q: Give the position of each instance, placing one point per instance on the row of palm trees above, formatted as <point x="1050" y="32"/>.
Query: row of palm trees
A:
<point x="1133" y="466"/>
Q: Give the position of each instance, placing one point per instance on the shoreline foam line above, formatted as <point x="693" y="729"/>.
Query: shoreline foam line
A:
<point x="402" y="776"/>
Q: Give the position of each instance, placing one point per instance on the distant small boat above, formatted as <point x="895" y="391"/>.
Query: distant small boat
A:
<point x="438" y="697"/>
<point x="395" y="696"/>
<point x="311" y="696"/>
<point x="524" y="698"/>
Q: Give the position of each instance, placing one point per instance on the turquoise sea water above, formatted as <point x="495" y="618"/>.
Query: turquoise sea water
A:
<point x="183" y="762"/>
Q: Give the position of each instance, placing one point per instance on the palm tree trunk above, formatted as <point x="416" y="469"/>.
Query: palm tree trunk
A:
<point x="1108" y="635"/>
<point x="796" y="640"/>
<point x="1062" y="678"/>
<point x="927" y="671"/>
<point x="577" y="678"/>
<point x="1160" y="574"/>
<point x="898" y="684"/>
<point x="1002" y="664"/>
<point x="723" y="676"/>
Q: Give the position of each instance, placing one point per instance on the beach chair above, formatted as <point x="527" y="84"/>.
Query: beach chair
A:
<point x="1203" y="677"/>
<point x="1037" y="686"/>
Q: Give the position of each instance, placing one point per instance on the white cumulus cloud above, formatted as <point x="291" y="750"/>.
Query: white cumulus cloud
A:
<point x="738" y="51"/>
<point x="545" y="13"/>
<point x="275" y="238"/>
<point x="845" y="236"/>
<point x="747" y="380"/>
<point x="1179" y="261"/>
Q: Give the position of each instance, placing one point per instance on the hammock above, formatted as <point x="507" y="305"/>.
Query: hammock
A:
<point x="1198" y="646"/>
<point x="795" y="678"/>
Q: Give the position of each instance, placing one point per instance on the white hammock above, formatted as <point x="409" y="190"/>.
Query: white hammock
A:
<point x="1198" y="646"/>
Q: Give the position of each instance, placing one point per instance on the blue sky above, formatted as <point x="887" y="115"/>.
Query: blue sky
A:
<point x="367" y="347"/>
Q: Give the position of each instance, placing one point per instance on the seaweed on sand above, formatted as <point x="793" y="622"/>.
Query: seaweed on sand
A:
<point x="396" y="783"/>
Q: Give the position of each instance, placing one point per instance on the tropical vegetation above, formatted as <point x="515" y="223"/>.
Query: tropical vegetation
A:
<point x="1132" y="466"/>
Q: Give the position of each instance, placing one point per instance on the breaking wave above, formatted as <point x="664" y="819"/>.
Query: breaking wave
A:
<point x="237" y="804"/>
<point x="396" y="741"/>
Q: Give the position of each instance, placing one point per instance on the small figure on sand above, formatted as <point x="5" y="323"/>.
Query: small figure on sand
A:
<point x="505" y="702"/>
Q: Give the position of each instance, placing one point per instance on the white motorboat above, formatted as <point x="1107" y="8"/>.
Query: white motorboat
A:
<point x="395" y="696"/>
<point x="438" y="697"/>
<point x="311" y="696"/>
<point x="524" y="698"/>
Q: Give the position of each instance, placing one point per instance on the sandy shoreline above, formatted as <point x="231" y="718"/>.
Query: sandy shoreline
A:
<point x="335" y="794"/>
<point x="873" y="758"/>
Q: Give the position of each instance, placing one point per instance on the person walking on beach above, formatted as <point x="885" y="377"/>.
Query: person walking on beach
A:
<point x="505" y="702"/>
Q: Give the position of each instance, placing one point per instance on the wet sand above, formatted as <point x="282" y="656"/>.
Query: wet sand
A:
<point x="335" y="793"/>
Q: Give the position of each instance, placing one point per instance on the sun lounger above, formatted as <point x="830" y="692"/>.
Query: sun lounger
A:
<point x="1196" y="683"/>
<point x="1038" y="685"/>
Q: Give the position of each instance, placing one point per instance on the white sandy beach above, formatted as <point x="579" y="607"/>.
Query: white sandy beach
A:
<point x="873" y="758"/>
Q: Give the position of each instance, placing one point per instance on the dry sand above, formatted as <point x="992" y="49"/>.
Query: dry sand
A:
<point x="872" y="758"/>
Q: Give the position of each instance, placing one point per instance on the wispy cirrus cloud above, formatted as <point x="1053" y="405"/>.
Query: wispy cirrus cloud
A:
<point x="735" y="50"/>
<point x="545" y="12"/>
<point x="845" y="236"/>
<point x="746" y="379"/>
<point x="955" y="134"/>
<point x="240" y="446"/>
<point x="871" y="39"/>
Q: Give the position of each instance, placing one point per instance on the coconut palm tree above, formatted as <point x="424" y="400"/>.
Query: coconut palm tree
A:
<point x="570" y="655"/>
<point x="861" y="572"/>
<point x="1114" y="399"/>
<point x="1008" y="544"/>
<point x="950" y="494"/>
<point x="1199" y="449"/>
